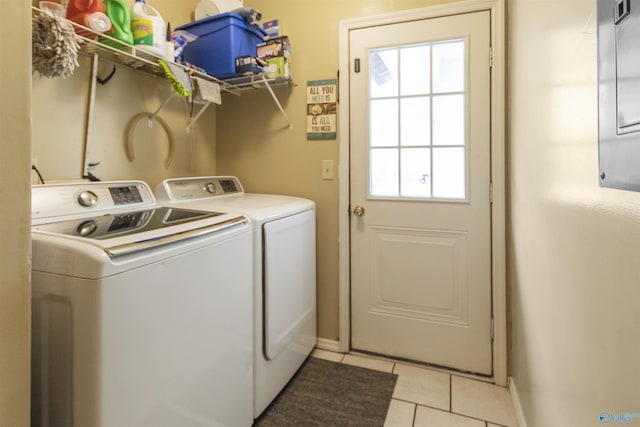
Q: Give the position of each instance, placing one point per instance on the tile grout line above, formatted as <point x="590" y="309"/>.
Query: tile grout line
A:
<point x="470" y="417"/>
<point x="415" y="414"/>
<point x="452" y="413"/>
<point x="476" y="418"/>
<point x="451" y="393"/>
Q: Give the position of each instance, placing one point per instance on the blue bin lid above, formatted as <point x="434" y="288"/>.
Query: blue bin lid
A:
<point x="234" y="16"/>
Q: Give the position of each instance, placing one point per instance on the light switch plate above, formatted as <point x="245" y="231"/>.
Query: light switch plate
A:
<point x="327" y="169"/>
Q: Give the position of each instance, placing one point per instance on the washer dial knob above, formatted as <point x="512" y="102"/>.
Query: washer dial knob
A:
<point x="87" y="198"/>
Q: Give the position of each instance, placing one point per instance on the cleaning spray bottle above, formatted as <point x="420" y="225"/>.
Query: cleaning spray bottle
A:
<point x="89" y="13"/>
<point x="118" y="12"/>
<point x="149" y="31"/>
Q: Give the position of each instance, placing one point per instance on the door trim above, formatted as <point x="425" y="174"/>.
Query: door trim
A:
<point x="498" y="173"/>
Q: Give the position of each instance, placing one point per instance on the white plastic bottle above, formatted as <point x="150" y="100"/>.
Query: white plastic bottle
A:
<point x="148" y="28"/>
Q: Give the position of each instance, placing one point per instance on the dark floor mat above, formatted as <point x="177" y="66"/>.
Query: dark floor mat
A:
<point x="325" y="394"/>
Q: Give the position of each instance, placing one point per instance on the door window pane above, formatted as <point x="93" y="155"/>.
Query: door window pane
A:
<point x="448" y="67"/>
<point x="415" y="70"/>
<point x="384" y="172"/>
<point x="383" y="65"/>
<point x="415" y="121"/>
<point x="384" y="123"/>
<point x="449" y="173"/>
<point x="415" y="169"/>
<point x="448" y="120"/>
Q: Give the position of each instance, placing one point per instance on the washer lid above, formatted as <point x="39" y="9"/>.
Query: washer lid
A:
<point x="123" y="233"/>
<point x="208" y="8"/>
<point x="119" y="224"/>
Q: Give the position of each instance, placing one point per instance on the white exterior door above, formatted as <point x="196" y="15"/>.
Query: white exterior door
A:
<point x="420" y="191"/>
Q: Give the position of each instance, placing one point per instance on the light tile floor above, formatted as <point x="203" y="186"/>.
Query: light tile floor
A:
<point x="425" y="397"/>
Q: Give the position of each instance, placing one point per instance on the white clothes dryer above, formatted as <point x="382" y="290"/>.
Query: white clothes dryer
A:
<point x="284" y="272"/>
<point x="141" y="313"/>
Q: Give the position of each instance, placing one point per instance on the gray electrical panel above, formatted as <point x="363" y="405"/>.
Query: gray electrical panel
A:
<point x="619" y="93"/>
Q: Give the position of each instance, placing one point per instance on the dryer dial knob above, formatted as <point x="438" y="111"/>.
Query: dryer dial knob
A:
<point x="210" y="188"/>
<point x="87" y="198"/>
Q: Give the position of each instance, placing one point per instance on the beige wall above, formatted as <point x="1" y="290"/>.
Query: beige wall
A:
<point x="60" y="106"/>
<point x="574" y="266"/>
<point x="255" y="145"/>
<point x="15" y="248"/>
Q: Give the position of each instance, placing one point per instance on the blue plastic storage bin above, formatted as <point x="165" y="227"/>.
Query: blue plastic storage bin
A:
<point x="221" y="39"/>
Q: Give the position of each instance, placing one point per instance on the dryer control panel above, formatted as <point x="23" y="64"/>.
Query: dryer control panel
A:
<point x="204" y="187"/>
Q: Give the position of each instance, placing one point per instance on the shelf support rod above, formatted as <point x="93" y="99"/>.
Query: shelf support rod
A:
<point x="197" y="116"/>
<point x="164" y="104"/>
<point x="275" y="98"/>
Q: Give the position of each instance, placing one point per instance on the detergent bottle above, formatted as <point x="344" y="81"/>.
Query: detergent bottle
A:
<point x="118" y="12"/>
<point x="84" y="12"/>
<point x="149" y="32"/>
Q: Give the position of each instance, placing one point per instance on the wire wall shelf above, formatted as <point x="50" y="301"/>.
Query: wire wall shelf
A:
<point x="114" y="51"/>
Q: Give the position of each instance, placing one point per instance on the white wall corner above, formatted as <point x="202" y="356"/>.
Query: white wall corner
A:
<point x="515" y="398"/>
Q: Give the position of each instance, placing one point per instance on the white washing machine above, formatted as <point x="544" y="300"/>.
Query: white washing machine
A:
<point x="284" y="273"/>
<point x="142" y="314"/>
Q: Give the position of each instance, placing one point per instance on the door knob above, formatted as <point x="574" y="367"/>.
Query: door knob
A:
<point x="358" y="211"/>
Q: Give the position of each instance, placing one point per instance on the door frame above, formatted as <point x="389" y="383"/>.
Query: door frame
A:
<point x="498" y="173"/>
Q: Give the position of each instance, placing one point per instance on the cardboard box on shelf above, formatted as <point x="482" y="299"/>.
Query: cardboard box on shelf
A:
<point x="272" y="28"/>
<point x="276" y="53"/>
<point x="247" y="65"/>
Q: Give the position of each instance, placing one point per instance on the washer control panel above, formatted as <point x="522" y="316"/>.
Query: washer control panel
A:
<point x="53" y="200"/>
<point x="198" y="188"/>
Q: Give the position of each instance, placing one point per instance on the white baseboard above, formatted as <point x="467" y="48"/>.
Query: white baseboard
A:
<point x="328" y="345"/>
<point x="515" y="398"/>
